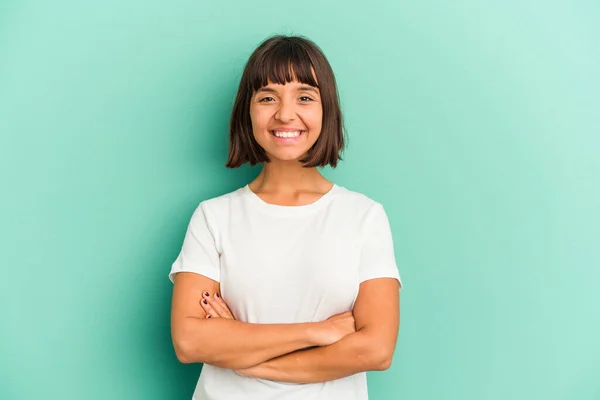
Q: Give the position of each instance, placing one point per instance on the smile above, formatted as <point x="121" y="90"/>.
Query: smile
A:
<point x="287" y="134"/>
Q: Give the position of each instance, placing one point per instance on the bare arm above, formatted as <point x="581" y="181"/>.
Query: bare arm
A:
<point x="228" y="343"/>
<point x="377" y="315"/>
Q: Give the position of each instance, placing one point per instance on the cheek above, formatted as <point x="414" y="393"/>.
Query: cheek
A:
<point x="315" y="120"/>
<point x="259" y="120"/>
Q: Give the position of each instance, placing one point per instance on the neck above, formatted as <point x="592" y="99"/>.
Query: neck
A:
<point x="288" y="177"/>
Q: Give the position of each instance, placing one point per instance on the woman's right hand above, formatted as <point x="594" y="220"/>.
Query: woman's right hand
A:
<point x="335" y="328"/>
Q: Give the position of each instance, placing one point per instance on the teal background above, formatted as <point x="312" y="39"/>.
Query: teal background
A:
<point x="475" y="123"/>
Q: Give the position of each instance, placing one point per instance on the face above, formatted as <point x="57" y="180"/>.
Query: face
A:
<point x="286" y="119"/>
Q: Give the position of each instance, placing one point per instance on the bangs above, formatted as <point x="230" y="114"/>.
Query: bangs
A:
<point x="284" y="63"/>
<point x="280" y="60"/>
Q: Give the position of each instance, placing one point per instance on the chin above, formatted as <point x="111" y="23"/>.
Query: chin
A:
<point x="286" y="157"/>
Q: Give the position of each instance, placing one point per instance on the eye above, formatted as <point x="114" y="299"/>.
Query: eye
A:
<point x="266" y="100"/>
<point x="305" y="99"/>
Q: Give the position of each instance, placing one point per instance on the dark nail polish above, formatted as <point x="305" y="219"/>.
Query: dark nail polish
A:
<point x="208" y="316"/>
<point x="204" y="301"/>
<point x="217" y="294"/>
<point x="206" y="294"/>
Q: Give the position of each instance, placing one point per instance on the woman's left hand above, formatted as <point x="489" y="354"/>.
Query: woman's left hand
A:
<point x="215" y="307"/>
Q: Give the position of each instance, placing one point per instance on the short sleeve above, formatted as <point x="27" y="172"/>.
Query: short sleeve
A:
<point x="377" y="254"/>
<point x="199" y="252"/>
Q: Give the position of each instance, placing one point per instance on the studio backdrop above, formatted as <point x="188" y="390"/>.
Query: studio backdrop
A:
<point x="475" y="124"/>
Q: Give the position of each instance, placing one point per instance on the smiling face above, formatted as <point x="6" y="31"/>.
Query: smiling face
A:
<point x="286" y="119"/>
<point x="286" y="107"/>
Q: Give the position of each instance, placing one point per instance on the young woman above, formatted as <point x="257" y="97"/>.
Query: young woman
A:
<point x="286" y="288"/>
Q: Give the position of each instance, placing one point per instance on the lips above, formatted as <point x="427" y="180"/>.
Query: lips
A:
<point x="287" y="136"/>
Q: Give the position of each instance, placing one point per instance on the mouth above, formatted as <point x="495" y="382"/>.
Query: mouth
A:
<point x="287" y="137"/>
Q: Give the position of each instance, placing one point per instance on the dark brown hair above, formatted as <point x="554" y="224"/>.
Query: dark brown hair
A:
<point x="279" y="60"/>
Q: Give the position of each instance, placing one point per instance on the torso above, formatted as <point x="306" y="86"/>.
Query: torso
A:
<point x="281" y="264"/>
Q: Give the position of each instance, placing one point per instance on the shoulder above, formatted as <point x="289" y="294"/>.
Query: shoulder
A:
<point x="223" y="202"/>
<point x="372" y="219"/>
<point x="356" y="200"/>
<point x="212" y="209"/>
<point x="359" y="206"/>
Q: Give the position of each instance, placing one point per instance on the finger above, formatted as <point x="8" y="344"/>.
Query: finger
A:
<point x="208" y="309"/>
<point x="219" y="304"/>
<point x="219" y="307"/>
<point x="222" y="311"/>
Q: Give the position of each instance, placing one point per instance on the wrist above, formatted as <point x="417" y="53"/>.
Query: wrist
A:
<point x="315" y="332"/>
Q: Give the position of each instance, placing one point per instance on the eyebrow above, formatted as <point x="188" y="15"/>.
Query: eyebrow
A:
<point x="300" y="89"/>
<point x="307" y="89"/>
<point x="265" y="89"/>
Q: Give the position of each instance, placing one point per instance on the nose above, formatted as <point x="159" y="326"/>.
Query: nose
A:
<point x="286" y="111"/>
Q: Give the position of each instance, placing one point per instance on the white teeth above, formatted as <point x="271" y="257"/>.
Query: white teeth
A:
<point x="287" y="134"/>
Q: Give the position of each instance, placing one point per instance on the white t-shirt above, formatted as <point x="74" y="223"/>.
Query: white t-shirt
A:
<point x="286" y="264"/>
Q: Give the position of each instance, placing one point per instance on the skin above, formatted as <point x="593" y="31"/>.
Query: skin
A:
<point x="363" y="340"/>
<point x="293" y="106"/>
<point x="235" y="344"/>
<point x="369" y="348"/>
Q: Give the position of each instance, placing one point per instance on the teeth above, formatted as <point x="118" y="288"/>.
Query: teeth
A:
<point x="287" y="134"/>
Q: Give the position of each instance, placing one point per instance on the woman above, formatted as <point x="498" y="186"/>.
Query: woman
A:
<point x="286" y="288"/>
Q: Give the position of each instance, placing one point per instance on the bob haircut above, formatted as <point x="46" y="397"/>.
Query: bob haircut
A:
<point x="279" y="60"/>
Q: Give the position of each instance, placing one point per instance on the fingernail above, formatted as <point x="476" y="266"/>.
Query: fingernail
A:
<point x="206" y="294"/>
<point x="208" y="316"/>
<point x="217" y="295"/>
<point x="204" y="301"/>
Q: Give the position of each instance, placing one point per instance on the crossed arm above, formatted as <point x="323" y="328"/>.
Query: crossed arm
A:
<point x="299" y="353"/>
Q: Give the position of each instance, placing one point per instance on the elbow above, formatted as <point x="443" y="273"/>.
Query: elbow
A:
<point x="182" y="351"/>
<point x="183" y="358"/>
<point x="188" y="351"/>
<point x="187" y="341"/>
<point x="374" y="355"/>
<point x="381" y="359"/>
<point x="383" y="363"/>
